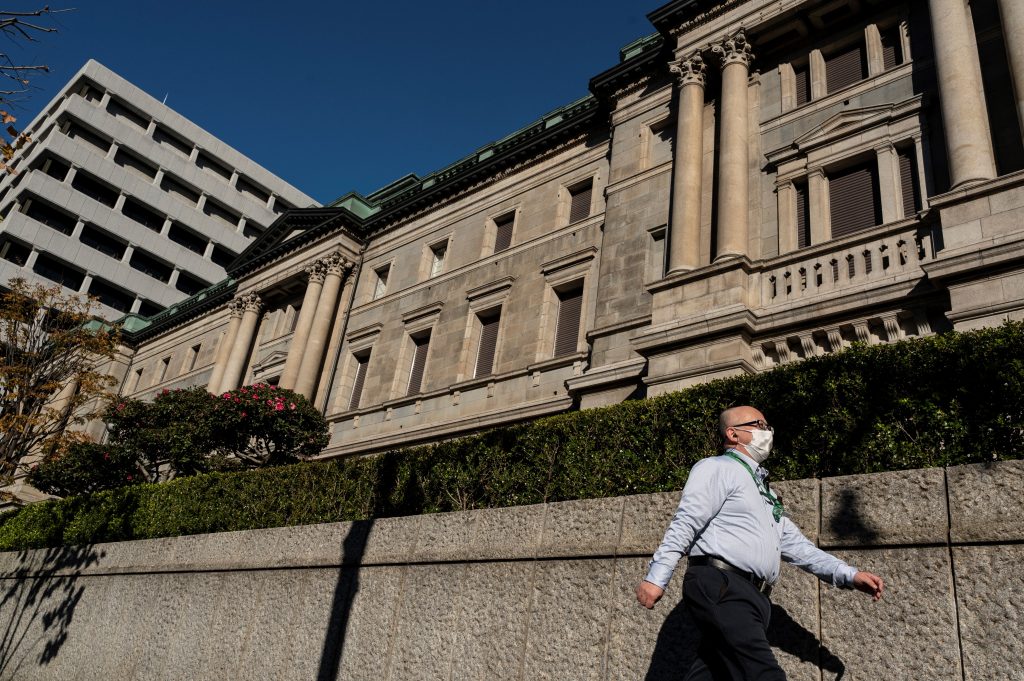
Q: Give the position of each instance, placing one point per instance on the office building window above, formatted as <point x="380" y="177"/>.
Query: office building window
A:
<point x="362" y="363"/>
<point x="421" y="346"/>
<point x="489" y="323"/>
<point x="803" y="212"/>
<point x="579" y="201"/>
<point x="380" y="286"/>
<point x="567" y="328"/>
<point x="437" y="257"/>
<point x="503" y="231"/>
<point x="854" y="202"/>
<point x="802" y="84"/>
<point x="846" y="67"/>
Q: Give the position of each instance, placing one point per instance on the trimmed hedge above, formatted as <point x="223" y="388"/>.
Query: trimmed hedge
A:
<point x="949" y="399"/>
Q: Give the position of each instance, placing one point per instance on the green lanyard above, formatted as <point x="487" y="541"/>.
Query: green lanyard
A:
<point x="777" y="509"/>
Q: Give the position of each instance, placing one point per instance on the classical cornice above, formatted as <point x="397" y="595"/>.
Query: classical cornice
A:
<point x="681" y="16"/>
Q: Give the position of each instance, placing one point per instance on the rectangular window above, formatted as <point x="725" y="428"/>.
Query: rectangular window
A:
<point x="83" y="134"/>
<point x="803" y="212"/>
<point x="95" y="190"/>
<point x="121" y="111"/>
<point x="489" y="323"/>
<point x="567" y="329"/>
<point x="179" y="190"/>
<point x="189" y="285"/>
<point x="54" y="167"/>
<point x="131" y="162"/>
<point x="380" y="286"/>
<point x="419" y="363"/>
<point x="854" y="202"/>
<point x="168" y="139"/>
<point x="134" y="210"/>
<point x="845" y="68"/>
<point x="133" y="384"/>
<point x="802" y="84"/>
<point x="215" y="210"/>
<point x="148" y="308"/>
<point x="58" y="272"/>
<point x="252" y="190"/>
<point x="187" y="238"/>
<point x="908" y="183"/>
<point x="212" y="166"/>
<point x="222" y="256"/>
<point x="56" y="219"/>
<point x="111" y="296"/>
<point x="892" y="55"/>
<point x="503" y="231"/>
<point x="579" y="201"/>
<point x="192" y="357"/>
<point x="362" y="363"/>
<point x="162" y="369"/>
<point x="15" y="252"/>
<point x="151" y="266"/>
<point x="437" y="255"/>
<point x="95" y="238"/>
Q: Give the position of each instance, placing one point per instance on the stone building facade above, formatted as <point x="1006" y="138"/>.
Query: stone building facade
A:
<point x="756" y="183"/>
<point x="120" y="197"/>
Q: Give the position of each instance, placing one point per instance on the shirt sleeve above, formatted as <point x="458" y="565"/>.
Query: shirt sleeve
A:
<point x="703" y="496"/>
<point x="798" y="550"/>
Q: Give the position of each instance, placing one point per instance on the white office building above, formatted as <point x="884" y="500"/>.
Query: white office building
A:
<point x="120" y="197"/>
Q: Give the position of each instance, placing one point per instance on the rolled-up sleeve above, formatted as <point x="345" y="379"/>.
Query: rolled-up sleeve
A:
<point x="799" y="551"/>
<point x="703" y="496"/>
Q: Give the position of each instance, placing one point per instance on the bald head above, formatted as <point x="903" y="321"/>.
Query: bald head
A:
<point x="736" y="415"/>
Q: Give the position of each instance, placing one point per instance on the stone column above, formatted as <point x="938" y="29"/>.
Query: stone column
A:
<point x="733" y="152"/>
<point x="239" y="357"/>
<point x="317" y="271"/>
<point x="964" y="115"/>
<point x="687" y="166"/>
<point x="1011" y="13"/>
<point x="336" y="266"/>
<point x="224" y="349"/>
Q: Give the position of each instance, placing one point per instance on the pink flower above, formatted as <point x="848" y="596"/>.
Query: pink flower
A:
<point x="278" y="407"/>
<point x="243" y="414"/>
<point x="129" y="477"/>
<point x="291" y="406"/>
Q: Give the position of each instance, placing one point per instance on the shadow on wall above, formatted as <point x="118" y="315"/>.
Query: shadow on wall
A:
<point x="38" y="604"/>
<point x="353" y="547"/>
<point x="679" y="638"/>
<point x="847" y="524"/>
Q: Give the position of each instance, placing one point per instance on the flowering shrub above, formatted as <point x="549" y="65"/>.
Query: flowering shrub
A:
<point x="185" y="432"/>
<point x="84" y="468"/>
<point x="267" y="425"/>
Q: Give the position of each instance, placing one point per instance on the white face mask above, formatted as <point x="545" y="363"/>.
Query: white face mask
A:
<point x="760" y="445"/>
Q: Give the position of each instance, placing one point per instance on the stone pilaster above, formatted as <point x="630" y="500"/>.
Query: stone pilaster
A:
<point x="733" y="152"/>
<point x="964" y="118"/>
<point x="239" y="357"/>
<point x="336" y="267"/>
<point x="1011" y="14"/>
<point x="687" y="165"/>
<point x="224" y="349"/>
<point x="297" y="348"/>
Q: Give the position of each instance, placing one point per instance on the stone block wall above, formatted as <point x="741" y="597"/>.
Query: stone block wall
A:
<point x="534" y="592"/>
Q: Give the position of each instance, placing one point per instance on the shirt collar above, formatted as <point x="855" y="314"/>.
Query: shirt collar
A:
<point x="754" y="466"/>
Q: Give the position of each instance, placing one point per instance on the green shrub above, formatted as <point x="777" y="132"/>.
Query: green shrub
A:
<point x="951" y="399"/>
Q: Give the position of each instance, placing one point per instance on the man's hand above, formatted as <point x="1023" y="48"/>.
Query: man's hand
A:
<point x="648" y="594"/>
<point x="869" y="583"/>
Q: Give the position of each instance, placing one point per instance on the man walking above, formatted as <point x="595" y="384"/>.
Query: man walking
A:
<point x="732" y="527"/>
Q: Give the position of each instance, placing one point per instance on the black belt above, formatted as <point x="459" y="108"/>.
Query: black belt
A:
<point x="761" y="585"/>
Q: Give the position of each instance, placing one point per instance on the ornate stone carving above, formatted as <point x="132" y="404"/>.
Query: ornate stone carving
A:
<point x="336" y="263"/>
<point x="689" y="71"/>
<point x="705" y="17"/>
<point x="734" y="50"/>
<point x="251" y="302"/>
<point x="236" y="307"/>
<point x="316" y="272"/>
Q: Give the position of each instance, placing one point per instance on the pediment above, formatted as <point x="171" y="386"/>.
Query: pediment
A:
<point x="273" y="359"/>
<point x="844" y="124"/>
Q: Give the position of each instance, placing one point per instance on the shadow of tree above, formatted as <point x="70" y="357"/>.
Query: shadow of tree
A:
<point x="39" y="600"/>
<point x="353" y="547"/>
<point x="679" y="638"/>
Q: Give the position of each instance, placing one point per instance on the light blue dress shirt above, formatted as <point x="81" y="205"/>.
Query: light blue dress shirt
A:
<point x="722" y="513"/>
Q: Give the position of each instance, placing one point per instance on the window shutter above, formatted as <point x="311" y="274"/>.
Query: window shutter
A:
<point x="488" y="345"/>
<point x="853" y="200"/>
<point x="803" y="212"/>
<point x="908" y="183"/>
<point x="845" y="68"/>
<point x="580" y="206"/>
<point x="357" y="386"/>
<point x="567" y="331"/>
<point x="419" y="362"/>
<point x="503" y="234"/>
<point x="891" y="47"/>
<point x="803" y="85"/>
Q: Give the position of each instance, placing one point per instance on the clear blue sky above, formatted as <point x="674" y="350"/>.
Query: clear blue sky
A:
<point x="341" y="96"/>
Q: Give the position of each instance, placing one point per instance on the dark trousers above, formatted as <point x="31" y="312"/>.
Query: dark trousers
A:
<point x="733" y="620"/>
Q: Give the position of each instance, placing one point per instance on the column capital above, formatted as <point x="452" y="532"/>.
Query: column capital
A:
<point x="316" y="272"/>
<point x="734" y="50"/>
<point x="336" y="263"/>
<point x="236" y="307"/>
<point x="689" y="70"/>
<point x="250" y="302"/>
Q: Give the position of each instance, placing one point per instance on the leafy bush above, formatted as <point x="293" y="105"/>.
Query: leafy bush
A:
<point x="945" y="400"/>
<point x="187" y="432"/>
